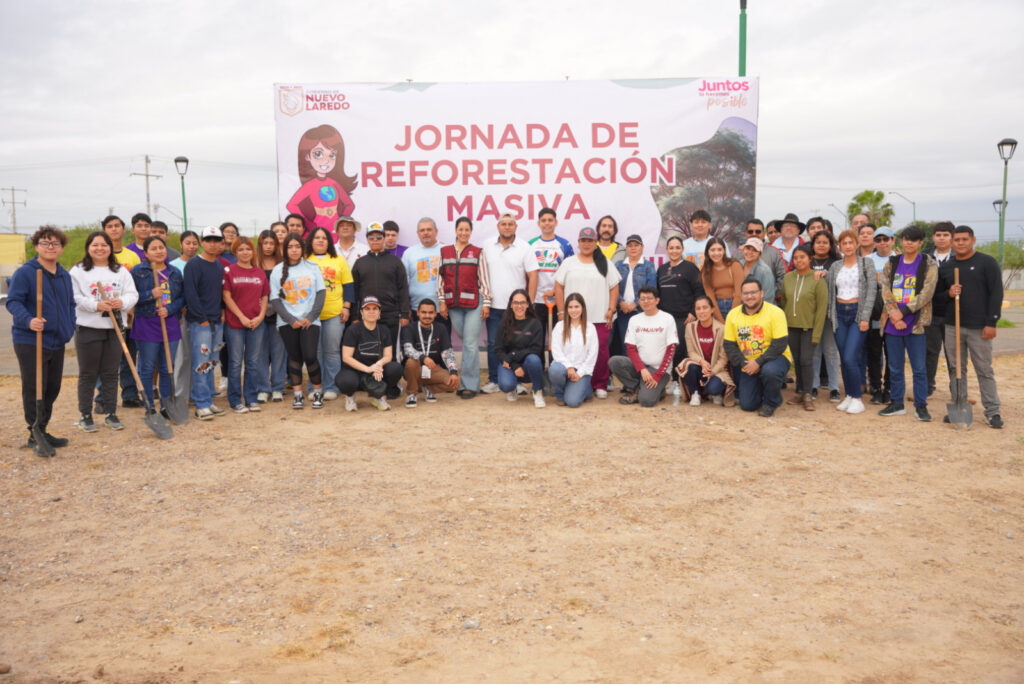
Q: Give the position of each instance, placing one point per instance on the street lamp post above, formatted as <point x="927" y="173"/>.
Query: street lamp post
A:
<point x="913" y="204"/>
<point x="181" y="164"/>
<point x="743" y="38"/>
<point x="1006" y="148"/>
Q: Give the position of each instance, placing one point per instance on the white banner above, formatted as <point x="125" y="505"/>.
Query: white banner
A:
<point x="647" y="152"/>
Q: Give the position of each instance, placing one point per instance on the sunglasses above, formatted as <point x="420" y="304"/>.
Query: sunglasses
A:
<point x="754" y="232"/>
<point x="883" y="238"/>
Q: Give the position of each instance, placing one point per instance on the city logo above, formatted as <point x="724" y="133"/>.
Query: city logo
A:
<point x="290" y="99"/>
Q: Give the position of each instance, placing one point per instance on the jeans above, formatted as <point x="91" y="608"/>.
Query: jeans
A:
<point x="916" y="347"/>
<point x="764" y="388"/>
<point x="205" y="342"/>
<point x="493" y="323"/>
<point x="827" y="349"/>
<point x="329" y="353"/>
<point x="980" y="349"/>
<point x="243" y="344"/>
<point x="151" y="358"/>
<point x="273" y="364"/>
<point x="695" y="376"/>
<point x="573" y="393"/>
<point x="622" y="368"/>
<point x="878" y="370"/>
<point x="467" y="323"/>
<point x="533" y="369"/>
<point x="850" y="341"/>
<point x="725" y="306"/>
<point x="618" y="345"/>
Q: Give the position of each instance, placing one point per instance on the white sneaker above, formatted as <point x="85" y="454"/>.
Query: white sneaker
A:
<point x="521" y="388"/>
<point x="695" y="399"/>
<point x="204" y="414"/>
<point x="254" y="407"/>
<point x="330" y="395"/>
<point x="240" y="408"/>
<point x="845" y="403"/>
<point x="490" y="388"/>
<point x="601" y="394"/>
<point x="673" y="388"/>
<point x="262" y="397"/>
<point x="277" y="396"/>
<point x="350" y="404"/>
<point x="428" y="395"/>
<point x="538" y="399"/>
<point x="511" y="396"/>
<point x="410" y="401"/>
<point x="856" y="406"/>
<point x="223" y="384"/>
<point x="381" y="404"/>
<point x="716" y="399"/>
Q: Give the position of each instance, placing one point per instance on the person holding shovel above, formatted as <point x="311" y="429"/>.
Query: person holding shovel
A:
<point x="56" y="325"/>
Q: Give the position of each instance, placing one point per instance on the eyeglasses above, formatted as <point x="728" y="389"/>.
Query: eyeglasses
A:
<point x="517" y="303"/>
<point x="48" y="243"/>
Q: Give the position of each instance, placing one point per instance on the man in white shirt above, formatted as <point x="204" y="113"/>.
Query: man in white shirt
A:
<point x="511" y="265"/>
<point x="693" y="247"/>
<point x="651" y="341"/>
<point x="346" y="227"/>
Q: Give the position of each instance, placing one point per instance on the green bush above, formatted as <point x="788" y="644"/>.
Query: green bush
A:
<point x="75" y="249"/>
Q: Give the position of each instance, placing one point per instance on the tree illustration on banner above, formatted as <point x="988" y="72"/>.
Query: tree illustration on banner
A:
<point x="872" y="203"/>
<point x="717" y="175"/>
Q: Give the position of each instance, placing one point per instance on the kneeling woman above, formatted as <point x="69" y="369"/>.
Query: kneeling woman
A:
<point x="366" y="358"/>
<point x="161" y="297"/>
<point x="706" y="368"/>
<point x="574" y="347"/>
<point x="519" y="348"/>
<point x="297" y="294"/>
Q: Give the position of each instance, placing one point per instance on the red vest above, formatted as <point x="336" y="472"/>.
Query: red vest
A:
<point x="459" y="276"/>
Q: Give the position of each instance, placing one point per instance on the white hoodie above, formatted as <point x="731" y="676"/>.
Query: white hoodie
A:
<point x="119" y="285"/>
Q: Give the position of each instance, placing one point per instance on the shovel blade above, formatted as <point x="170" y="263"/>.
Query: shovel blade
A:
<point x="177" y="409"/>
<point x="42" y="447"/>
<point x="960" y="412"/>
<point x="160" y="427"/>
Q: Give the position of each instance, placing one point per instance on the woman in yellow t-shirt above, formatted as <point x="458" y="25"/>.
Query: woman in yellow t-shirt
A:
<point x="337" y="304"/>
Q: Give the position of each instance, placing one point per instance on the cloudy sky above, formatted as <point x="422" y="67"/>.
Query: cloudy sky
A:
<point x="906" y="95"/>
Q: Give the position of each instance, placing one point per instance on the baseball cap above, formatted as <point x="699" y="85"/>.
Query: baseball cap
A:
<point x="213" y="233"/>
<point x="885" y="230"/>
<point x="375" y="227"/>
<point x="635" y="238"/>
<point x="755" y="243"/>
<point x="369" y="300"/>
<point x="587" y="233"/>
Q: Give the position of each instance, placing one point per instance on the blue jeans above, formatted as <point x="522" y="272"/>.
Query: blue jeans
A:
<point x="764" y="388"/>
<point x="694" y="376"/>
<point x="725" y="306"/>
<point x="534" y="374"/>
<point x="827" y="349"/>
<point x="152" y="356"/>
<point x="467" y="323"/>
<point x="493" y="322"/>
<point x="205" y="342"/>
<point x="850" y="342"/>
<point x="243" y="344"/>
<point x="273" y="366"/>
<point x="573" y="393"/>
<point x="329" y="353"/>
<point x="916" y="347"/>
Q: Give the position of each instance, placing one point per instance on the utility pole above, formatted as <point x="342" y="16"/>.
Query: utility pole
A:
<point x="14" y="217"/>
<point x="148" y="175"/>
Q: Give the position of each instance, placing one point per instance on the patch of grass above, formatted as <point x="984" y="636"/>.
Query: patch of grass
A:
<point x="1005" y="323"/>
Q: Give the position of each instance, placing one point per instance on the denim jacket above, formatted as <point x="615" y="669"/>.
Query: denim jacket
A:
<point x="643" y="274"/>
<point x="144" y="283"/>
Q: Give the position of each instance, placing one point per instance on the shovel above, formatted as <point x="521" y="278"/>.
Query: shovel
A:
<point x="42" y="446"/>
<point x="960" y="412"/>
<point x="160" y="427"/>
<point x="175" y="406"/>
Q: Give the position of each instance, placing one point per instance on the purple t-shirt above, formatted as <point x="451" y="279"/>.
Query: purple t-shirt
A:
<point x="904" y="283"/>
<point x="140" y="252"/>
<point x="147" y="329"/>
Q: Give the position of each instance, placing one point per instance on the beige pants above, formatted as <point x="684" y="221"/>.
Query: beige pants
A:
<point x="437" y="382"/>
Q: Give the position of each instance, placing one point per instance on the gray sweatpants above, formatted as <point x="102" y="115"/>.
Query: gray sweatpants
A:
<point x="980" y="351"/>
<point x="622" y="368"/>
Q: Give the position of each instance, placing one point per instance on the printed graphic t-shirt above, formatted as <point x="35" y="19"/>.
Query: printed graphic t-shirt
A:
<point x="298" y="292"/>
<point x="246" y="286"/>
<point x="753" y="334"/>
<point x="904" y="281"/>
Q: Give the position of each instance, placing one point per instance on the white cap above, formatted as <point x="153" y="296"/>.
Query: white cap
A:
<point x="212" y="232"/>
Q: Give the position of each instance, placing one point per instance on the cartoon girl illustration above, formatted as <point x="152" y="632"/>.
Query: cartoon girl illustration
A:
<point x="324" y="194"/>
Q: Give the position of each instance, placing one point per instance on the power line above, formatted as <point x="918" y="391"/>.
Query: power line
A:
<point x="14" y="218"/>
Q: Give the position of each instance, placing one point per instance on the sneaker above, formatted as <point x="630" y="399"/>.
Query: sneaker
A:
<point x="216" y="411"/>
<point x="350" y="404"/>
<point x="833" y="396"/>
<point x="380" y="404"/>
<point x="318" y="400"/>
<point x="330" y="395"/>
<point x="113" y="423"/>
<point x="298" y="401"/>
<point x="695" y="399"/>
<point x="521" y="388"/>
<point x="845" y="403"/>
<point x="239" y="408"/>
<point x="716" y="399"/>
<point x="886" y="397"/>
<point x="393" y="392"/>
<point x="277" y="396"/>
<point x="893" y="409"/>
<point x="223" y="384"/>
<point x="538" y="399"/>
<point x="601" y="394"/>
<point x="262" y="397"/>
<point x="490" y="388"/>
<point x="672" y="388"/>
<point x="201" y="414"/>
<point x="922" y="414"/>
<point x="628" y="397"/>
<point x="55" y="442"/>
<point x="511" y="396"/>
<point x="97" y="408"/>
<point x="994" y="421"/>
<point x="167" y="416"/>
<point x="254" y="407"/>
<point x="428" y="395"/>
<point x="945" y="419"/>
<point x="876" y="397"/>
<point x="85" y="424"/>
<point x="766" y="411"/>
<point x="410" y="401"/>
<point x="856" y="406"/>
<point x="814" y="393"/>
<point x="131" y="403"/>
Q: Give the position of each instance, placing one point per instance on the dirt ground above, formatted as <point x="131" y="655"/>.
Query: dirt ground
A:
<point x="478" y="540"/>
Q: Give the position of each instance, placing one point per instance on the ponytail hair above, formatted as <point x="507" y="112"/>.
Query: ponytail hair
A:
<point x="601" y="261"/>
<point x="290" y="238"/>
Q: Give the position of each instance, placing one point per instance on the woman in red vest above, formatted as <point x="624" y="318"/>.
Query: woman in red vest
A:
<point x="464" y="297"/>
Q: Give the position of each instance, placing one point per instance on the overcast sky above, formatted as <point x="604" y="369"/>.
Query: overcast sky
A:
<point x="897" y="95"/>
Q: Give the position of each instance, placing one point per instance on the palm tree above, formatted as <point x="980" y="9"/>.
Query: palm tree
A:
<point x="872" y="203"/>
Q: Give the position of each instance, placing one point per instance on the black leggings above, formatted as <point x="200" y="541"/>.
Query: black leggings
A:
<point x="53" y="371"/>
<point x="300" y="344"/>
<point x="802" y="349"/>
<point x="99" y="356"/>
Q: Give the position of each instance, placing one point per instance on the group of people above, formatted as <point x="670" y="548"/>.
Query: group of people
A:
<point x="321" y="314"/>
